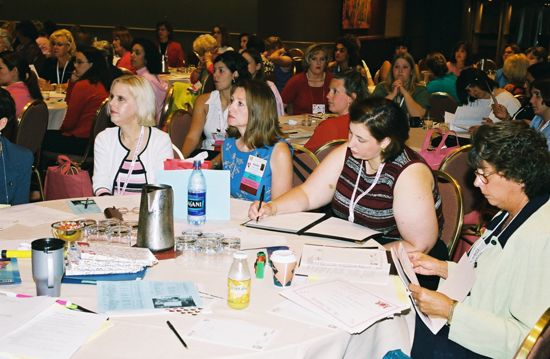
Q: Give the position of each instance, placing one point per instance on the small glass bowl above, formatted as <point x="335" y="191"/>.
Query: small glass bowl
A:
<point x="120" y="234"/>
<point x="69" y="231"/>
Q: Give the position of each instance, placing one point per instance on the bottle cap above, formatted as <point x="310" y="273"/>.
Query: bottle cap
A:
<point x="240" y="255"/>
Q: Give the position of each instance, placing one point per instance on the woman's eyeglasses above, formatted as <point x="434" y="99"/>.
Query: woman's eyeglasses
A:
<point x="80" y="62"/>
<point x="483" y="177"/>
<point x="59" y="44"/>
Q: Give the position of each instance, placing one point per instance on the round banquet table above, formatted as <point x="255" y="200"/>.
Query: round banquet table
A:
<point x="57" y="108"/>
<point x="143" y="336"/>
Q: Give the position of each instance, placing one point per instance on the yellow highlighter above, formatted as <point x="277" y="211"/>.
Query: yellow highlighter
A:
<point x="12" y="253"/>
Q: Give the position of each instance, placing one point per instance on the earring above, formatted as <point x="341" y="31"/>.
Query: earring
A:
<point x="233" y="81"/>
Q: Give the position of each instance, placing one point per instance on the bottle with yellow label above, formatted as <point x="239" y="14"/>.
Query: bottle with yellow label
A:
<point x="238" y="282"/>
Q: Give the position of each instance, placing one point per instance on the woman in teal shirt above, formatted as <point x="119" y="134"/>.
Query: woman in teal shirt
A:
<point x="255" y="153"/>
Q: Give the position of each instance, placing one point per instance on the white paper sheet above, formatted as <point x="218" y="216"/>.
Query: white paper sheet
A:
<point x="236" y="333"/>
<point x="40" y="215"/>
<point x="353" y="264"/>
<point x="348" y="306"/>
<point x="55" y="333"/>
<point x="14" y="312"/>
<point x="293" y="311"/>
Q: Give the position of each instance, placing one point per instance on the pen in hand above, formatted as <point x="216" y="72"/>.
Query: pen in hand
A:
<point x="86" y="203"/>
<point x="177" y="334"/>
<point x="262" y="194"/>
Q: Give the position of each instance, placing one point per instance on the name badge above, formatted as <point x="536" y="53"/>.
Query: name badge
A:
<point x="253" y="173"/>
<point x="318" y="108"/>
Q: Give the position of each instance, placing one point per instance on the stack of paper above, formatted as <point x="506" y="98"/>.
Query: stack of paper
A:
<point x="350" y="307"/>
<point x="368" y="265"/>
<point x="99" y="258"/>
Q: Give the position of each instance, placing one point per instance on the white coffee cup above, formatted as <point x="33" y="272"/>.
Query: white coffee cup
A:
<point x="283" y="264"/>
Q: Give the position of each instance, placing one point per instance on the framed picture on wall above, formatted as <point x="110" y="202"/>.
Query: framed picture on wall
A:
<point x="356" y="14"/>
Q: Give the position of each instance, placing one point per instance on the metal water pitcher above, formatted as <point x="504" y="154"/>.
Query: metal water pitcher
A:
<point x="156" y="217"/>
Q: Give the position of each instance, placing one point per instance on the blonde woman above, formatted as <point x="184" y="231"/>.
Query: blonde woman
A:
<point x="58" y="68"/>
<point x="127" y="156"/>
<point x="515" y="71"/>
<point x="205" y="47"/>
<point x="403" y="88"/>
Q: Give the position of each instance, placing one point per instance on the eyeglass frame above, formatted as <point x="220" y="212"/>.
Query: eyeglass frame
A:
<point x="484" y="178"/>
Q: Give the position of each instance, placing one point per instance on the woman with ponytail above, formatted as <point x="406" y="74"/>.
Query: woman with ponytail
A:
<point x="20" y="81"/>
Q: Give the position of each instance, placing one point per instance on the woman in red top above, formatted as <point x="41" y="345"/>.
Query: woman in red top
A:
<point x="122" y="44"/>
<point x="175" y="57"/>
<point x="86" y="92"/>
<point x="306" y="92"/>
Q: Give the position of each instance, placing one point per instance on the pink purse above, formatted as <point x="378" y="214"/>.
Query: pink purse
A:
<point x="67" y="180"/>
<point x="434" y="156"/>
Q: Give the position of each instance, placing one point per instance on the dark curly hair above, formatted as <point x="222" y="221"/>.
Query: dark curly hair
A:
<point x="517" y="152"/>
<point x="437" y="64"/>
<point x="473" y="77"/>
<point x="353" y="83"/>
<point x="383" y="118"/>
<point x="235" y="62"/>
<point x="153" y="61"/>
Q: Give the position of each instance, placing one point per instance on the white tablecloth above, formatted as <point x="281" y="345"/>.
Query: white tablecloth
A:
<point x="147" y="336"/>
<point x="57" y="108"/>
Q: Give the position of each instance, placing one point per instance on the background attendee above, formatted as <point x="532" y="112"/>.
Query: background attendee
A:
<point x="278" y="60"/>
<point x="205" y="47"/>
<point x="255" y="139"/>
<point x="243" y="41"/>
<point x="210" y="111"/>
<point x="461" y="58"/>
<point x="478" y="92"/>
<point x="20" y="81"/>
<point x="221" y="35"/>
<point x="122" y="44"/>
<point x="536" y="54"/>
<point x="540" y="100"/>
<point x="85" y="93"/>
<point x="403" y="88"/>
<point x="27" y="48"/>
<point x="306" y="91"/>
<point x="512" y="170"/>
<point x="167" y="46"/>
<point x="346" y="56"/>
<point x="509" y="49"/>
<point x="515" y="71"/>
<point x="255" y="67"/>
<point x="58" y="68"/>
<point x="147" y="62"/>
<point x="44" y="44"/>
<point x="374" y="180"/>
<point x="443" y="80"/>
<point x="15" y="161"/>
<point x="345" y="87"/>
<point x="127" y="156"/>
<point x="107" y="51"/>
<point x="384" y="71"/>
<point x="5" y="41"/>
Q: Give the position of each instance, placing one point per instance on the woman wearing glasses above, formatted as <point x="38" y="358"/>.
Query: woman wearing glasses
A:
<point x="58" y="68"/>
<point x="510" y="260"/>
<point x="85" y="93"/>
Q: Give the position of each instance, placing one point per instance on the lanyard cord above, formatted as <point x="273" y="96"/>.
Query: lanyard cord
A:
<point x="59" y="80"/>
<point x="353" y="202"/>
<point x="4" y="166"/>
<point x="132" y="164"/>
<point x="311" y="91"/>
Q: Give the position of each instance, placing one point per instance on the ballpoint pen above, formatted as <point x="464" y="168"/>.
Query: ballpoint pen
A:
<point x="177" y="334"/>
<point x="262" y="194"/>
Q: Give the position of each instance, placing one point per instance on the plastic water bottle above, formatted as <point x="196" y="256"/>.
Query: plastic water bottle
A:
<point x="238" y="282"/>
<point x="196" y="196"/>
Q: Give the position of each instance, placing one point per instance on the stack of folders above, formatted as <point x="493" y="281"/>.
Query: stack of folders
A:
<point x="89" y="263"/>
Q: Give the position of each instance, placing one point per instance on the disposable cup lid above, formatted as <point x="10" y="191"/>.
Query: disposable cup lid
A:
<point x="283" y="256"/>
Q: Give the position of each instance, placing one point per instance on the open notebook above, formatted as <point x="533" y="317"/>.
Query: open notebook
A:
<point x="315" y="224"/>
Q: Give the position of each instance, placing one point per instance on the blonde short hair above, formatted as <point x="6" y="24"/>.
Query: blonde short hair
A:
<point x="515" y="68"/>
<point x="204" y="43"/>
<point x="143" y="93"/>
<point x="311" y="51"/>
<point x="67" y="35"/>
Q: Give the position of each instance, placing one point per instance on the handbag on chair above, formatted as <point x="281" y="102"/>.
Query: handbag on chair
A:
<point x="434" y="156"/>
<point x="67" y="180"/>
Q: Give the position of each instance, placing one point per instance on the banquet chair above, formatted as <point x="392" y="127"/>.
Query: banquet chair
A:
<point x="168" y="101"/>
<point x="303" y="163"/>
<point x="30" y="131"/>
<point x="102" y="120"/>
<point x="441" y="102"/>
<point x="537" y="343"/>
<point x="453" y="210"/>
<point x="325" y="149"/>
<point x="297" y="57"/>
<point x="180" y="122"/>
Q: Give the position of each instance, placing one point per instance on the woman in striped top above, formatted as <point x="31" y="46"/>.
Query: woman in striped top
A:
<point x="126" y="157"/>
<point x="374" y="180"/>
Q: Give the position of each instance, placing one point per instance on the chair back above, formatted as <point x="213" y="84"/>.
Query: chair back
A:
<point x="303" y="163"/>
<point x="453" y="210"/>
<point x="168" y="101"/>
<point x="325" y="149"/>
<point x="31" y="126"/>
<point x="102" y="120"/>
<point x="441" y="102"/>
<point x="537" y="343"/>
<point x="297" y="56"/>
<point x="456" y="164"/>
<point x="180" y="122"/>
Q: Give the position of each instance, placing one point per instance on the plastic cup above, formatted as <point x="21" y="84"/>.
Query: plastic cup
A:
<point x="283" y="263"/>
